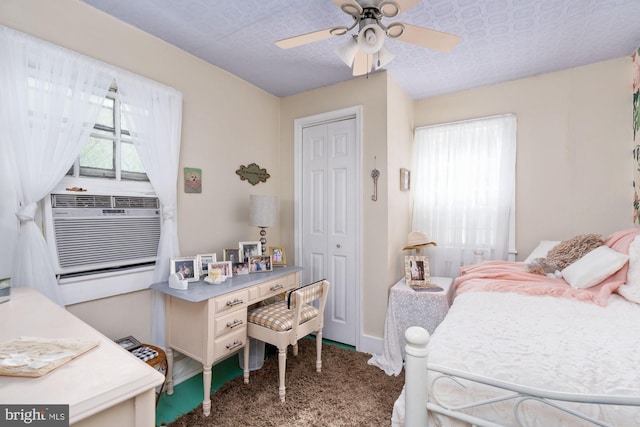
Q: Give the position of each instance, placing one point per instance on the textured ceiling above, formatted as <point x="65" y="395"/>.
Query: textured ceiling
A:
<point x="501" y="40"/>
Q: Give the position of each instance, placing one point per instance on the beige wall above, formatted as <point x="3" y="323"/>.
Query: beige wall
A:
<point x="574" y="149"/>
<point x="574" y="162"/>
<point x="371" y="93"/>
<point x="226" y="123"/>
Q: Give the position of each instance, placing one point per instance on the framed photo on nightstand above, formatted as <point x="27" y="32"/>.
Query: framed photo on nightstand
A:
<point x="416" y="271"/>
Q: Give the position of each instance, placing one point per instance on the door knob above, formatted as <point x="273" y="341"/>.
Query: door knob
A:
<point x="338" y="246"/>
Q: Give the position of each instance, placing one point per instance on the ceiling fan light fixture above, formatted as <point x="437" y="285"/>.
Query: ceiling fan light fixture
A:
<point x="338" y="31"/>
<point x="351" y="9"/>
<point x="395" y="30"/>
<point x="347" y="52"/>
<point x="389" y="8"/>
<point x="383" y="57"/>
<point x="371" y="38"/>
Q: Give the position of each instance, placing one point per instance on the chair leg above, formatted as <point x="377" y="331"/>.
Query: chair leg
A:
<point x="246" y="363"/>
<point x="319" y="351"/>
<point x="295" y="349"/>
<point x="282" y="367"/>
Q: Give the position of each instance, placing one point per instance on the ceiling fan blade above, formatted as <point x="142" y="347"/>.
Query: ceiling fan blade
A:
<point x="361" y="63"/>
<point x="302" y="39"/>
<point x="431" y="39"/>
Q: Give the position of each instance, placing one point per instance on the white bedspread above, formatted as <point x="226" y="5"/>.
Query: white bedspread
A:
<point x="546" y="342"/>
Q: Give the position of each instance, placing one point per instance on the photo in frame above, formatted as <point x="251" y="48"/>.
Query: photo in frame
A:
<point x="249" y="249"/>
<point x="224" y="266"/>
<point x="203" y="263"/>
<point x="232" y="254"/>
<point x="240" y="268"/>
<point x="277" y="255"/>
<point x="187" y="266"/>
<point x="416" y="271"/>
<point x="260" y="264"/>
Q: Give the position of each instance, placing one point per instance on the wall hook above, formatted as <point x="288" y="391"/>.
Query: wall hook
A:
<point x="375" y="173"/>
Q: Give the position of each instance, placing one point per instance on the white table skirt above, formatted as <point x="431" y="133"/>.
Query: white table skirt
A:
<point x="410" y="308"/>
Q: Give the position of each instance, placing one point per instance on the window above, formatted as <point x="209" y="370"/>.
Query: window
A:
<point x="465" y="184"/>
<point x="109" y="152"/>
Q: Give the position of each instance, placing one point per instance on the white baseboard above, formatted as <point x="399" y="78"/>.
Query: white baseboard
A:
<point x="370" y="344"/>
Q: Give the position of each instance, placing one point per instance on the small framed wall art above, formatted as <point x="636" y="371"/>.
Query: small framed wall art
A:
<point x="405" y="179"/>
<point x="192" y="180"/>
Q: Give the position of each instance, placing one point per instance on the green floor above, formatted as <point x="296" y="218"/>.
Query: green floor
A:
<point x="188" y="394"/>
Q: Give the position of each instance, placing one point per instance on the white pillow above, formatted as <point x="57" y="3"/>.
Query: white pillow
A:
<point x="631" y="289"/>
<point x="594" y="267"/>
<point x="541" y="250"/>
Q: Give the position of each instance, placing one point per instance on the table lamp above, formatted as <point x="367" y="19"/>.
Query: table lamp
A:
<point x="262" y="214"/>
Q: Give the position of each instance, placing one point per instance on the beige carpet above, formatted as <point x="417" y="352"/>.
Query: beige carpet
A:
<point x="347" y="392"/>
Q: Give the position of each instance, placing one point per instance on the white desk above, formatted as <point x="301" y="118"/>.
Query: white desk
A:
<point x="208" y="322"/>
<point x="107" y="386"/>
<point x="410" y="308"/>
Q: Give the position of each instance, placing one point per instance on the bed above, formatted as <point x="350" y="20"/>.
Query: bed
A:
<point x="525" y="349"/>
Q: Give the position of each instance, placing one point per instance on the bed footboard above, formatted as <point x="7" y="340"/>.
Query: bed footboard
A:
<point x="415" y="388"/>
<point x="416" y="393"/>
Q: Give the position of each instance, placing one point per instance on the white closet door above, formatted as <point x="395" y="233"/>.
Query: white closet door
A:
<point x="329" y="221"/>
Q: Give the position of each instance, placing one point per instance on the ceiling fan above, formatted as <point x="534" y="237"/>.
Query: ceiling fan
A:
<point x="365" y="50"/>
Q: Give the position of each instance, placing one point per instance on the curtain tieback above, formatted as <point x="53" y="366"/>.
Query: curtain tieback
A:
<point x="27" y="213"/>
<point x="168" y="214"/>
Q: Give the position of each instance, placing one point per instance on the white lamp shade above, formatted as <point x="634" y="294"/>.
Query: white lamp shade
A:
<point x="347" y="52"/>
<point x="263" y="210"/>
<point x="370" y="38"/>
<point x="384" y="56"/>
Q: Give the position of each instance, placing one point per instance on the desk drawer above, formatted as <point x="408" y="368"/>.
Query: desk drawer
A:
<point x="229" y="343"/>
<point x="276" y="286"/>
<point x="231" y="301"/>
<point x="230" y="321"/>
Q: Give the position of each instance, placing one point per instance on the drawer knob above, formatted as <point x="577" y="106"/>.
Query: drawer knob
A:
<point x="276" y="287"/>
<point x="235" y="323"/>
<point x="236" y="344"/>
<point x="234" y="302"/>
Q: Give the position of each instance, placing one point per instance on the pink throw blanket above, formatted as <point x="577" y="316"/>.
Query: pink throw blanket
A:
<point x="505" y="276"/>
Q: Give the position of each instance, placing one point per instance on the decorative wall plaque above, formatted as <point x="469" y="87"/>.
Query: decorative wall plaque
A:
<point x="253" y="173"/>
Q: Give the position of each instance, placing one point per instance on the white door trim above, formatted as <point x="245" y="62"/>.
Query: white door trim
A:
<point x="299" y="124"/>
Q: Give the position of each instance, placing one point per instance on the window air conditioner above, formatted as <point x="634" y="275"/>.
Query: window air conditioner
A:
<point x="96" y="232"/>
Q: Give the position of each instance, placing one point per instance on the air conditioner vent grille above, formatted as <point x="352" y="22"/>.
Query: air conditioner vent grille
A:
<point x="102" y="242"/>
<point x="80" y="201"/>
<point x="135" y="202"/>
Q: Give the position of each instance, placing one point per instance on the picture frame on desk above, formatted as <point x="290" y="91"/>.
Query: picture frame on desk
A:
<point x="278" y="256"/>
<point x="416" y="271"/>
<point x="240" y="268"/>
<point x="233" y="255"/>
<point x="203" y="263"/>
<point x="187" y="266"/>
<point x="249" y="249"/>
<point x="224" y="266"/>
<point x="260" y="264"/>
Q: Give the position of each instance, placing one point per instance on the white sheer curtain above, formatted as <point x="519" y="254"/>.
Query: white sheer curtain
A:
<point x="153" y="114"/>
<point x="50" y="100"/>
<point x="464" y="190"/>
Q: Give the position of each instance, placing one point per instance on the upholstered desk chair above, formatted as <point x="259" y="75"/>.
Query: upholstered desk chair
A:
<point x="283" y="323"/>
